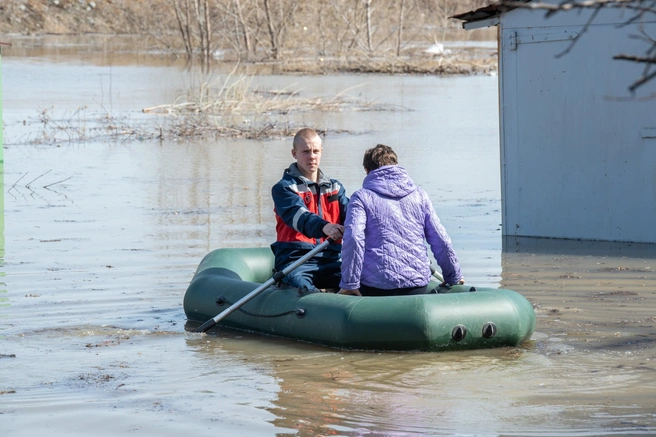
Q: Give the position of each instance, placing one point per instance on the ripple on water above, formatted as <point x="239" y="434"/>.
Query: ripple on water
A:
<point x="96" y="268"/>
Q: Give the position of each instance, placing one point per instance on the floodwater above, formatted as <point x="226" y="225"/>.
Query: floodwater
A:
<point x="101" y="238"/>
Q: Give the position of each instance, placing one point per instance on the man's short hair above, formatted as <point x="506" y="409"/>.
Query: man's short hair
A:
<point x="379" y="156"/>
<point x="305" y="134"/>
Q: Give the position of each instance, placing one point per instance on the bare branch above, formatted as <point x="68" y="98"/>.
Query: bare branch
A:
<point x="578" y="36"/>
<point x="646" y="77"/>
<point x="640" y="59"/>
<point x="30" y="182"/>
<point x="19" y="179"/>
<point x="58" y="182"/>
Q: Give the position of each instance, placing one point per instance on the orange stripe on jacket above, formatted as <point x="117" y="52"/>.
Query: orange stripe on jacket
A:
<point x="330" y="209"/>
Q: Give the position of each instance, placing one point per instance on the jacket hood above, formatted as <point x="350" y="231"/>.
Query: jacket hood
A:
<point x="293" y="171"/>
<point x="390" y="181"/>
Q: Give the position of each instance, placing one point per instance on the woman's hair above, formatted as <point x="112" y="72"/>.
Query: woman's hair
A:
<point x="379" y="156"/>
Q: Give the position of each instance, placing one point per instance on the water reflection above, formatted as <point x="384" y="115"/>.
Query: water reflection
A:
<point x="587" y="294"/>
<point x="112" y="250"/>
<point x="330" y="392"/>
<point x="530" y="245"/>
<point x="98" y="50"/>
<point x="216" y="193"/>
<point x="514" y="391"/>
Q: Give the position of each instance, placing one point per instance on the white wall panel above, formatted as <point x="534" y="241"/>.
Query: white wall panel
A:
<point x="578" y="153"/>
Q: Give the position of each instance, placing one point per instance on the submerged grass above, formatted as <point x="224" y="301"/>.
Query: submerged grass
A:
<point x="54" y="127"/>
<point x="232" y="106"/>
<point x="225" y="106"/>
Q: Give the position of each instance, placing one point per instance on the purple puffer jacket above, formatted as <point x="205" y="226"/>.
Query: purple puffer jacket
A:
<point x="387" y="221"/>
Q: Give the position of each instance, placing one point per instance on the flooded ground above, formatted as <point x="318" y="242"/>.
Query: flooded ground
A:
<point x="101" y="239"/>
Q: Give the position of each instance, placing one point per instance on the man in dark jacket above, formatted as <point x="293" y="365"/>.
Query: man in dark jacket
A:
<point x="309" y="208"/>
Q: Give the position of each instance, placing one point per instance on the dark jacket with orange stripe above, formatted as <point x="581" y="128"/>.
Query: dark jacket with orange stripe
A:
<point x="302" y="208"/>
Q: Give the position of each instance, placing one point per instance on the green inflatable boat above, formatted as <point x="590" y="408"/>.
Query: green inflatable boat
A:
<point x="454" y="318"/>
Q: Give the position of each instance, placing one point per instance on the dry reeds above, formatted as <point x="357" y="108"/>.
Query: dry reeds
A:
<point x="232" y="106"/>
<point x="236" y="96"/>
<point x="225" y="107"/>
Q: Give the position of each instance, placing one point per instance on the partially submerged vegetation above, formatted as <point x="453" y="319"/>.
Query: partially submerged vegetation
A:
<point x="226" y="106"/>
<point x="281" y="36"/>
<point x="232" y="106"/>
<point x="235" y="95"/>
<point x="54" y="127"/>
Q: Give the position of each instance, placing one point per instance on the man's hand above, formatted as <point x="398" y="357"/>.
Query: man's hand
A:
<point x="336" y="232"/>
<point x="355" y="292"/>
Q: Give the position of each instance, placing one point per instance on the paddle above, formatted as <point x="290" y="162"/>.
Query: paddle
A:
<point x="436" y="274"/>
<point x="276" y="278"/>
<point x="441" y="278"/>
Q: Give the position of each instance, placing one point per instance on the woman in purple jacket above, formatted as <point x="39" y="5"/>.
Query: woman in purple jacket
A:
<point x="387" y="222"/>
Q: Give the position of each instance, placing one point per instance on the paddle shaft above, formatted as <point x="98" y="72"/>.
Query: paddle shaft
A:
<point x="436" y="274"/>
<point x="276" y="277"/>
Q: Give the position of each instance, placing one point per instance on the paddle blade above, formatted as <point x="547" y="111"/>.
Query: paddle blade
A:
<point x="206" y="326"/>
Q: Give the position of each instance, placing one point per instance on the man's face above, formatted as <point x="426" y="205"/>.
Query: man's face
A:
<point x="308" y="156"/>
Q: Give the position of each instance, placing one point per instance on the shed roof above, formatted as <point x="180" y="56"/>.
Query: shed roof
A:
<point x="485" y="16"/>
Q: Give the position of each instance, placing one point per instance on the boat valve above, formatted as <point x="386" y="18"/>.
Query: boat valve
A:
<point x="300" y="312"/>
<point x="220" y="301"/>
<point x="489" y="330"/>
<point x="459" y="332"/>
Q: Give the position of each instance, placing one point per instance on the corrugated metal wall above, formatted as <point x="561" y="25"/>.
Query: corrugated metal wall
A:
<point x="578" y="153"/>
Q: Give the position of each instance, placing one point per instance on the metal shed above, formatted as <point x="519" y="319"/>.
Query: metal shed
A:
<point x="2" y="171"/>
<point x="2" y="127"/>
<point x="578" y="149"/>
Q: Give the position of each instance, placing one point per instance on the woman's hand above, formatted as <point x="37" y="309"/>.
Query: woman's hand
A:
<point x="460" y="282"/>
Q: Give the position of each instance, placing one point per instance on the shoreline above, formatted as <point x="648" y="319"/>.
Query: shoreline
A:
<point x="320" y="37"/>
<point x="459" y="59"/>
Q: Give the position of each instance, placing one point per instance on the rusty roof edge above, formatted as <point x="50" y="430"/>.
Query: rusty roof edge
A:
<point x="5" y="44"/>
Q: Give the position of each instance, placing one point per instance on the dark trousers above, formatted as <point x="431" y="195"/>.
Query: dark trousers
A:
<point x="365" y="290"/>
<point x="316" y="273"/>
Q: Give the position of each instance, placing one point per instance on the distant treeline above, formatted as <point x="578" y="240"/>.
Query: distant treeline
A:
<point x="250" y="29"/>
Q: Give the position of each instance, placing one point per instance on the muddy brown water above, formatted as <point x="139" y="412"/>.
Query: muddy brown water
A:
<point x="92" y="330"/>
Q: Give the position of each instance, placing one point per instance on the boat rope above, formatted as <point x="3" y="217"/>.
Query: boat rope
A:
<point x="300" y="312"/>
